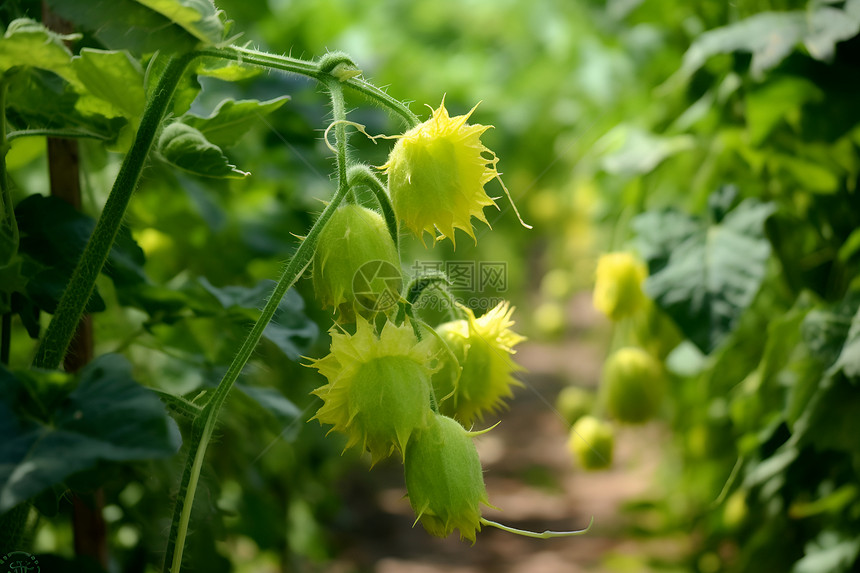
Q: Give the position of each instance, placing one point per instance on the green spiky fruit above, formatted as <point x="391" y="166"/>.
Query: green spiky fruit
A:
<point x="356" y="266"/>
<point x="378" y="390"/>
<point x="483" y="347"/>
<point x="436" y="175"/>
<point x="444" y="479"/>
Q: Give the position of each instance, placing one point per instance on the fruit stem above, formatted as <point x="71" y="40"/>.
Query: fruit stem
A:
<point x="312" y="70"/>
<point x="543" y="535"/>
<point x="77" y="293"/>
<point x="204" y="425"/>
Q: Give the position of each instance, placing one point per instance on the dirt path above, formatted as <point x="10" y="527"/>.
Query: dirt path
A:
<point x="529" y="474"/>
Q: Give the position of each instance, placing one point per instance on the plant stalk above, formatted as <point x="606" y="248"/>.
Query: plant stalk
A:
<point x="59" y="333"/>
<point x="7" y="209"/>
<point x="309" y="69"/>
<point x="204" y="425"/>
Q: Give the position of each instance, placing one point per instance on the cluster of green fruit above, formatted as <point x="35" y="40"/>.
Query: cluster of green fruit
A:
<point x="395" y="383"/>
<point x="634" y="380"/>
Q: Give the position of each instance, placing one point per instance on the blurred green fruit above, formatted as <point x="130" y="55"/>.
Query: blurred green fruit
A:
<point x="633" y="385"/>
<point x="574" y="402"/>
<point x="735" y="510"/>
<point x="591" y="442"/>
<point x="549" y="319"/>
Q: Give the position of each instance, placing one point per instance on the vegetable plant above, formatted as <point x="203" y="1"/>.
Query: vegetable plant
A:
<point x="123" y="77"/>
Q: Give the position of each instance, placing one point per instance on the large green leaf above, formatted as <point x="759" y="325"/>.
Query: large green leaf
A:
<point x="54" y="234"/>
<point x="771" y="36"/>
<point x="28" y="43"/>
<point x="704" y="274"/>
<point x="113" y="83"/>
<point x="126" y="24"/>
<point x="849" y="357"/>
<point x="831" y="552"/>
<point x="185" y="147"/>
<point x="40" y="99"/>
<point x="108" y="417"/>
<point x="631" y="151"/>
<point x="232" y="119"/>
<point x="198" y="17"/>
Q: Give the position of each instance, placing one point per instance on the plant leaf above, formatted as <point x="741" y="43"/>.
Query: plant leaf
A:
<point x="28" y="43"/>
<point x="113" y="84"/>
<point x="232" y="119"/>
<point x="108" y="417"/>
<point x="281" y="409"/>
<point x="126" y="24"/>
<point x="198" y="17"/>
<point x="290" y="329"/>
<point x="697" y="273"/>
<point x="185" y="147"/>
<point x="849" y="357"/>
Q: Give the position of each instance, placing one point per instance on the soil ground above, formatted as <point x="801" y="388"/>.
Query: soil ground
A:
<point x="529" y="475"/>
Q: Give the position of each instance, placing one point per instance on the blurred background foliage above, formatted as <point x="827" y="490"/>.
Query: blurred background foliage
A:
<point x="604" y="112"/>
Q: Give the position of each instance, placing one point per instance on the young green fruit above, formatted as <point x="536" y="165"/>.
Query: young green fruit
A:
<point x="483" y="348"/>
<point x="444" y="479"/>
<point x="618" y="285"/>
<point x="436" y="175"/>
<point x="574" y="402"/>
<point x="633" y="383"/>
<point x="591" y="441"/>
<point x="356" y="266"/>
<point x="378" y="390"/>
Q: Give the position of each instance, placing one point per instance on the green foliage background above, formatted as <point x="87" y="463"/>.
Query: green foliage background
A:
<point x="717" y="140"/>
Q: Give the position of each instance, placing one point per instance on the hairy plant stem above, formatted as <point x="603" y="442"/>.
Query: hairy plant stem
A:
<point x="362" y="175"/>
<point x="7" y="215"/>
<point x="8" y="224"/>
<point x="64" y="133"/>
<point x="59" y="333"/>
<point x="204" y="424"/>
<point x="309" y="69"/>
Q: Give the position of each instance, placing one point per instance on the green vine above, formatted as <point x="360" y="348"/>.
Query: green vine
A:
<point x="59" y="333"/>
<point x="8" y="210"/>
<point x="204" y="424"/>
<point x="315" y="71"/>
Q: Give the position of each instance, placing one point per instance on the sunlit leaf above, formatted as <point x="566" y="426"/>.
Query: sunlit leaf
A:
<point x="849" y="357"/>
<point x="777" y="100"/>
<point x="633" y="151"/>
<point x="126" y="24"/>
<point x="28" y="43"/>
<point x="771" y="36"/>
<point x="198" y="17"/>
<point x="113" y="84"/>
<point x="830" y="552"/>
<point x="827" y="27"/>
